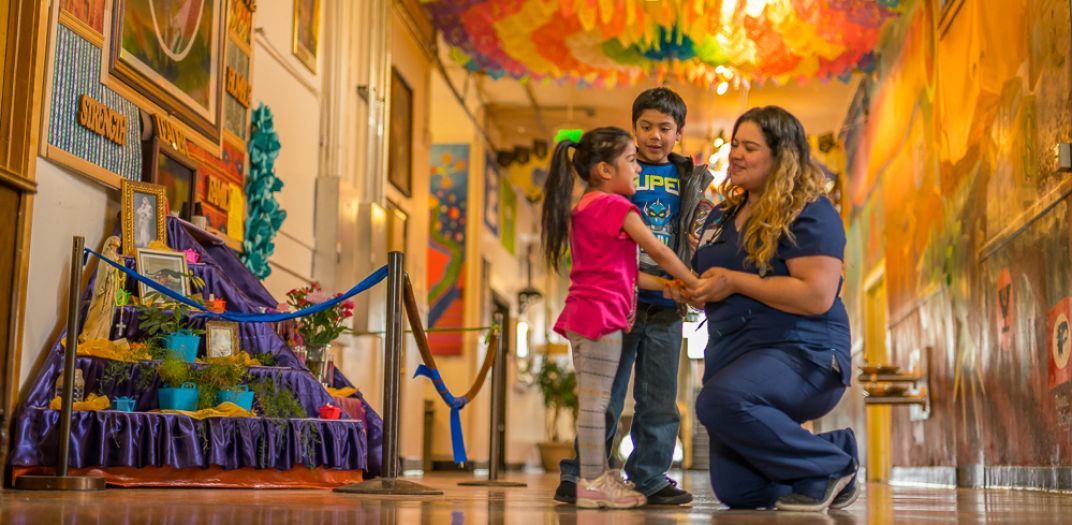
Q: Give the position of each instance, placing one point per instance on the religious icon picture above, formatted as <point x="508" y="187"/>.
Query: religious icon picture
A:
<point x="166" y="268"/>
<point x="221" y="338"/>
<point x="144" y="209"/>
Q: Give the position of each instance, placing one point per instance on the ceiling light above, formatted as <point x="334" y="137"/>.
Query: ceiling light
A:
<point x="722" y="87"/>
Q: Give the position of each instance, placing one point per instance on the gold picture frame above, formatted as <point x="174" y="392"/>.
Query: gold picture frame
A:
<point x="166" y="268"/>
<point x="136" y="221"/>
<point x="221" y="339"/>
<point x="305" y="37"/>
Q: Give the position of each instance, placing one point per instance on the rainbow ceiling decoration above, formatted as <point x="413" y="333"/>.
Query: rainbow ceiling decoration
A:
<point x="603" y="43"/>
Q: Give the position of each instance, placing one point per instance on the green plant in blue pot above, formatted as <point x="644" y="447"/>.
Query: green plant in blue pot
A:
<point x="177" y="390"/>
<point x="167" y="323"/>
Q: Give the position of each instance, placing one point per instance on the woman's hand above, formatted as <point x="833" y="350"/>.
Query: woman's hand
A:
<point x="716" y="284"/>
<point x="676" y="290"/>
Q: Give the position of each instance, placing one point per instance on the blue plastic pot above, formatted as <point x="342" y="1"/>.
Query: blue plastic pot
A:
<point x="124" y="404"/>
<point x="183" y="343"/>
<point x="240" y="396"/>
<point x="181" y="398"/>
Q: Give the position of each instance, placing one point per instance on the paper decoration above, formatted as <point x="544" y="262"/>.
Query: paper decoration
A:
<point x="604" y="43"/>
<point x="265" y="216"/>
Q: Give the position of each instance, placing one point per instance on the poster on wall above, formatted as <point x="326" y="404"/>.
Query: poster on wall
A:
<point x="446" y="245"/>
<point x="90" y="13"/>
<point x="491" y="195"/>
<point x="400" y="154"/>
<point x="171" y="53"/>
<point x="306" y="32"/>
<point x="508" y="216"/>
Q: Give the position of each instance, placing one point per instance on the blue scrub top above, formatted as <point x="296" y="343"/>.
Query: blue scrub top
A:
<point x="739" y="324"/>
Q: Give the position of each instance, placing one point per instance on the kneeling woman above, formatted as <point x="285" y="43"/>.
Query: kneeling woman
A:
<point x="779" y="351"/>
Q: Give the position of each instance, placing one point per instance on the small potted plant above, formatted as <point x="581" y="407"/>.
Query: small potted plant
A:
<point x="559" y="388"/>
<point x="220" y="381"/>
<point x="167" y="323"/>
<point x="178" y="391"/>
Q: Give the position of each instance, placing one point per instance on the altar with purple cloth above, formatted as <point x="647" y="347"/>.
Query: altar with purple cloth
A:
<point x="147" y="447"/>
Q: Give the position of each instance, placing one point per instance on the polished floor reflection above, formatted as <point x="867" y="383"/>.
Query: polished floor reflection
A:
<point x="531" y="505"/>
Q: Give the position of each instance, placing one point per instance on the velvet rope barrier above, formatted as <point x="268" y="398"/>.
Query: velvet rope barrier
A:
<point x="428" y="369"/>
<point x="370" y="281"/>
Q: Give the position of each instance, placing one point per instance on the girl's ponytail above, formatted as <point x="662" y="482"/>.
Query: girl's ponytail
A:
<point x="557" y="200"/>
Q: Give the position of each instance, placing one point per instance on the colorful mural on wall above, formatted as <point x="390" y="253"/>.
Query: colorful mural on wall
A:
<point x="446" y="245"/>
<point x="953" y="184"/>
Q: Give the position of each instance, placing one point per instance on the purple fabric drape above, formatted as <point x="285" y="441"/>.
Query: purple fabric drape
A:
<point x="351" y="442"/>
<point x="140" y="439"/>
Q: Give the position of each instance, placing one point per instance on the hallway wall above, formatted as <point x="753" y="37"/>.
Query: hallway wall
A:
<point x="954" y="184"/>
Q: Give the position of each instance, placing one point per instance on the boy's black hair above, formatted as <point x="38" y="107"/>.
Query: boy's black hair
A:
<point x="663" y="100"/>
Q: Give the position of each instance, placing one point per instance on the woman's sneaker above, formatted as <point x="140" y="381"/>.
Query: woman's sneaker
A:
<point x="608" y="490"/>
<point x="801" y="503"/>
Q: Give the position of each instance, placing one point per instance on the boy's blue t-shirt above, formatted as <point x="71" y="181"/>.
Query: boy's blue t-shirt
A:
<point x="658" y="196"/>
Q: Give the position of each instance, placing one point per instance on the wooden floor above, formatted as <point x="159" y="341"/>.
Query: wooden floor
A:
<point x="531" y="505"/>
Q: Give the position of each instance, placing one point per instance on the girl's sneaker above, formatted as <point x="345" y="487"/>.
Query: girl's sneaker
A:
<point x="608" y="490"/>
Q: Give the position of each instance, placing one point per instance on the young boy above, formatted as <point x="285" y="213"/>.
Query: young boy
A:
<point x="670" y="195"/>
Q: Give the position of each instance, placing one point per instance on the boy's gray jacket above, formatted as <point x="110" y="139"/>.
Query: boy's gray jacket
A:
<point x="695" y="179"/>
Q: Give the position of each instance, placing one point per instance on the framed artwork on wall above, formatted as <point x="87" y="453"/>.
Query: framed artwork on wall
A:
<point x="306" y="40"/>
<point x="175" y="172"/>
<point x="144" y="208"/>
<point x="171" y="52"/>
<point x="166" y="268"/>
<point x="400" y="152"/>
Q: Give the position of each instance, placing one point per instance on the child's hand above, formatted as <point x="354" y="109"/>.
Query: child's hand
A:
<point x="694" y="240"/>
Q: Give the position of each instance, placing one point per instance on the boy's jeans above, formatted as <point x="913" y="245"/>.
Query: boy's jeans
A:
<point x="654" y="345"/>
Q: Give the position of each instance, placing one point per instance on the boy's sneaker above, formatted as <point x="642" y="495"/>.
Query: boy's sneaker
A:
<point x="608" y="490"/>
<point x="802" y="503"/>
<point x="670" y="495"/>
<point x="846" y="497"/>
<point x="566" y="492"/>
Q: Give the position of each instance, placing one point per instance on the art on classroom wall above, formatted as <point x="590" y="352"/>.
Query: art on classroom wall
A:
<point x="446" y="245"/>
<point x="508" y="216"/>
<point x="172" y="54"/>
<point x="240" y="20"/>
<point x="306" y="32"/>
<point x="88" y="12"/>
<point x="400" y="153"/>
<point x="491" y="195"/>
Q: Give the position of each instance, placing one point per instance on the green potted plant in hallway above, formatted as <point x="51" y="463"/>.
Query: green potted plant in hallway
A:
<point x="559" y="388"/>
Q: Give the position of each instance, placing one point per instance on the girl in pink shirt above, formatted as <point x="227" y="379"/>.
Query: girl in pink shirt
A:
<point x="603" y="231"/>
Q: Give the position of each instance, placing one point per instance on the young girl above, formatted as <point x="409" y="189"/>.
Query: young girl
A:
<point x="604" y="230"/>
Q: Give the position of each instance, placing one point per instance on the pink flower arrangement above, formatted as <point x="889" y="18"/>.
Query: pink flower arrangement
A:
<point x="321" y="328"/>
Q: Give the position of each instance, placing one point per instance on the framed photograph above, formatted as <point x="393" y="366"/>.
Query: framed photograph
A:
<point x="175" y="172"/>
<point x="144" y="208"/>
<point x="400" y="152"/>
<point x="171" y="52"/>
<point x="166" y="268"/>
<point x="306" y="32"/>
<point x="221" y="338"/>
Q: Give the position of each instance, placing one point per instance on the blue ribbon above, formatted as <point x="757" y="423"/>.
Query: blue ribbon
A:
<point x="457" y="441"/>
<point x="370" y="281"/>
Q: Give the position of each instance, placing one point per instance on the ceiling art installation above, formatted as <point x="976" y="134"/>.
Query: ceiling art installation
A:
<point x="715" y="43"/>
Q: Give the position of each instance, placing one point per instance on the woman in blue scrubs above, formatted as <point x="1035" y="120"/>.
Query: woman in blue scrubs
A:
<point x="779" y="351"/>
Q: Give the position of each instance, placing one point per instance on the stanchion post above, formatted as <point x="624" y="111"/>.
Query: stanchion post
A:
<point x="61" y="481"/>
<point x="388" y="483"/>
<point x="498" y="398"/>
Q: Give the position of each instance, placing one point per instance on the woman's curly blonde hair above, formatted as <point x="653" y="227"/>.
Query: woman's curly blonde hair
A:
<point x="794" y="181"/>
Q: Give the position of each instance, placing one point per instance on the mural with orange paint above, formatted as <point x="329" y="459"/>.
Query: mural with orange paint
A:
<point x="953" y="183"/>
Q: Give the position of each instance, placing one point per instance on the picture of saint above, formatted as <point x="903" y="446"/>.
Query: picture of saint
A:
<point x="145" y="205"/>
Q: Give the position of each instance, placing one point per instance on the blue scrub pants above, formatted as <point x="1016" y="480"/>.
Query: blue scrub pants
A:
<point x="753" y="409"/>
